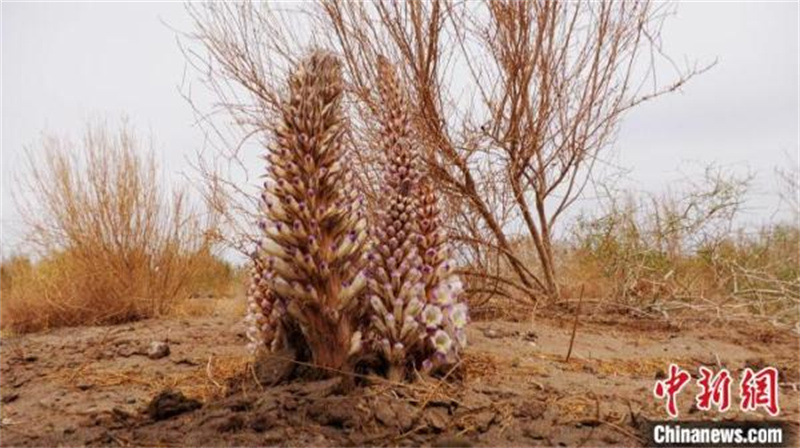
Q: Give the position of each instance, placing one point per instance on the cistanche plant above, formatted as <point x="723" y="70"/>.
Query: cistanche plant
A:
<point x="314" y="234"/>
<point x="417" y="321"/>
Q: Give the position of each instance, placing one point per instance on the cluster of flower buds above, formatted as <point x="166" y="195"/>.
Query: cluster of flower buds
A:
<point x="417" y="318"/>
<point x="314" y="289"/>
<point x="314" y="234"/>
<point x="443" y="287"/>
<point x="264" y="311"/>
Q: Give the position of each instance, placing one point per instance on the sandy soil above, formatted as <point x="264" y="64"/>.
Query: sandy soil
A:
<point x="96" y="386"/>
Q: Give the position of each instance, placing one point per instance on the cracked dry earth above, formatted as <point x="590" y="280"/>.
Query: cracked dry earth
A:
<point x="96" y="386"/>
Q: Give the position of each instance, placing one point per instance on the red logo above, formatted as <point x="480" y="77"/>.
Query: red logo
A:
<point x="715" y="389"/>
<point x="756" y="389"/>
<point x="671" y="387"/>
<point x="760" y="390"/>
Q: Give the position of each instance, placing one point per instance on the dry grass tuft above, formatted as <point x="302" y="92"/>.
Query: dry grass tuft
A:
<point x="113" y="245"/>
<point x="478" y="365"/>
<point x="205" y="382"/>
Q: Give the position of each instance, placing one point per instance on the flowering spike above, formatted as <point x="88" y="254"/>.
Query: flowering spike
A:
<point x="411" y="259"/>
<point x="263" y="314"/>
<point x="395" y="255"/>
<point x="315" y="242"/>
<point x="412" y="275"/>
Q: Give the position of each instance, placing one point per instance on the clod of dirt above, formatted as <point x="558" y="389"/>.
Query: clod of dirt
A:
<point x="491" y="333"/>
<point x="437" y="418"/>
<point x="386" y="415"/>
<point x="271" y="369"/>
<point x="474" y="401"/>
<point x="263" y="422"/>
<point x="335" y="413"/>
<point x="231" y="424"/>
<point x="398" y="414"/>
<point x="530" y="409"/>
<point x="9" y="398"/>
<point x="239" y="404"/>
<point x="120" y="413"/>
<point x="158" y="350"/>
<point x="484" y="420"/>
<point x="501" y="392"/>
<point x="530" y="336"/>
<point x="405" y="415"/>
<point x="316" y="389"/>
<point x="186" y="361"/>
<point x="495" y="333"/>
<point x="537" y="430"/>
<point x="169" y="404"/>
<point x="452" y="442"/>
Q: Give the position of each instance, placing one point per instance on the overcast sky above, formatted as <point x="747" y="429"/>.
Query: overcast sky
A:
<point x="64" y="64"/>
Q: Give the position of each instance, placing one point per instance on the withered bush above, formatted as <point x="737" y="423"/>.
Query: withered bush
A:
<point x="111" y="244"/>
<point x="511" y="103"/>
<point x="683" y="251"/>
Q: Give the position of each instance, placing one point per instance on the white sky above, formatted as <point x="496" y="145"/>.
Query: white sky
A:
<point x="64" y="64"/>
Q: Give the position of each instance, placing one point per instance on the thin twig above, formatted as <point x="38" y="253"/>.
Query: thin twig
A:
<point x="575" y="324"/>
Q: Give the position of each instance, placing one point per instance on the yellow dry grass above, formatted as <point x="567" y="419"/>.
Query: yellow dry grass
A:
<point x="112" y="243"/>
<point x="215" y="306"/>
<point x="629" y="368"/>
<point x="203" y="382"/>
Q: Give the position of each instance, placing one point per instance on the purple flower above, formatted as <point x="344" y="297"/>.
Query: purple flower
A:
<point x="461" y="337"/>
<point x="458" y="315"/>
<point x="432" y="316"/>
<point x="441" y="341"/>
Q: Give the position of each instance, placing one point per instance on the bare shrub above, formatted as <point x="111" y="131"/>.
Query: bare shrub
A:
<point x="683" y="250"/>
<point x="511" y="103"/>
<point x="789" y="188"/>
<point x="112" y="244"/>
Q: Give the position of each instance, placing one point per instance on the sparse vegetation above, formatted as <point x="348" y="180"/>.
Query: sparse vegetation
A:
<point x="403" y="177"/>
<point x="111" y="244"/>
<point x="685" y="251"/>
<point x="505" y="163"/>
<point x="508" y="160"/>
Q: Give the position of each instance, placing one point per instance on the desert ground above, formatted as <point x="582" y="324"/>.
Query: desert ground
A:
<point x="368" y="174"/>
<point x="97" y="386"/>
